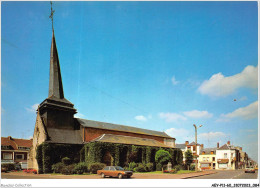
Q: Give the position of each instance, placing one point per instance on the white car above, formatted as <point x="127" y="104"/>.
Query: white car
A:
<point x="249" y="169"/>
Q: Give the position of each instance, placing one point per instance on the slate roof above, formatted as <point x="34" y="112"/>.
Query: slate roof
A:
<point x="128" y="140"/>
<point x="65" y="136"/>
<point x="15" y="142"/>
<point x="208" y="150"/>
<point x="193" y="143"/>
<point x="181" y="146"/>
<point x="226" y="147"/>
<point x="123" y="128"/>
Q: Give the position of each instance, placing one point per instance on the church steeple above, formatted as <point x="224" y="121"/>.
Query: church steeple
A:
<point x="55" y="82"/>
<point x="56" y="111"/>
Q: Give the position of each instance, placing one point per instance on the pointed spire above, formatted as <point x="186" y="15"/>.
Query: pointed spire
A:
<point x="55" y="83"/>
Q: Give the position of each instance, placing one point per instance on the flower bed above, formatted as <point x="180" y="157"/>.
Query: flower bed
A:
<point x="169" y="171"/>
<point x="30" y="171"/>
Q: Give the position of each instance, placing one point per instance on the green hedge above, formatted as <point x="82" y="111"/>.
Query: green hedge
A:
<point x="48" y="154"/>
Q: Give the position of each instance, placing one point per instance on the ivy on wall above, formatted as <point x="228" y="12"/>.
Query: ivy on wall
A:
<point x="48" y="154"/>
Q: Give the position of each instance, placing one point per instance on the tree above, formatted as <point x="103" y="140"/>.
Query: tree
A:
<point x="188" y="157"/>
<point x="162" y="157"/>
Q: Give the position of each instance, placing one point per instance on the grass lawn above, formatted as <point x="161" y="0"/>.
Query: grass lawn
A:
<point x="154" y="172"/>
<point x="185" y="171"/>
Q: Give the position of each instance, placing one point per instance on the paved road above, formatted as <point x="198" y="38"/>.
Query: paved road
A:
<point x="229" y="174"/>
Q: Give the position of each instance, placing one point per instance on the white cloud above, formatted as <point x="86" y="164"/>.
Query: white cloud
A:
<point x="33" y="108"/>
<point x="219" y="85"/>
<point x="248" y="112"/>
<point x="174" y="117"/>
<point x="173" y="132"/>
<point x="198" y="114"/>
<point x="212" y="135"/>
<point x="79" y="115"/>
<point x="140" y="118"/>
<point x="171" y="117"/>
<point x="174" y="81"/>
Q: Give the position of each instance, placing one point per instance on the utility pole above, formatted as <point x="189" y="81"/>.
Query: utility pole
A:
<point x="196" y="162"/>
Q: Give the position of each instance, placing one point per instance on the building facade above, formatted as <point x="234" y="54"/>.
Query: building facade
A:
<point x="207" y="159"/>
<point x="15" y="151"/>
<point x="227" y="157"/>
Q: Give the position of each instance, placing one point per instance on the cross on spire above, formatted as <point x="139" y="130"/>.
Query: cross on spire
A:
<point x="51" y="16"/>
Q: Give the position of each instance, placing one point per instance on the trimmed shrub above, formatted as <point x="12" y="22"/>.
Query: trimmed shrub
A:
<point x="132" y="165"/>
<point x="66" y="160"/>
<point x="158" y="167"/>
<point x="149" y="167"/>
<point x="67" y="170"/>
<point x="80" y="168"/>
<point x="192" y="167"/>
<point x="8" y="166"/>
<point x="140" y="168"/>
<point x="56" y="168"/>
<point x="93" y="168"/>
<point x="162" y="156"/>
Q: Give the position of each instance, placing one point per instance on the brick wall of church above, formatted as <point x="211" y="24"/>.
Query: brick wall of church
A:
<point x="92" y="133"/>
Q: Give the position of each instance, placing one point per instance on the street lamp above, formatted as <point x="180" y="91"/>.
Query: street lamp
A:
<point x="196" y="162"/>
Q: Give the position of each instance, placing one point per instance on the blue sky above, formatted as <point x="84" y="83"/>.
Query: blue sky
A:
<point x="155" y="65"/>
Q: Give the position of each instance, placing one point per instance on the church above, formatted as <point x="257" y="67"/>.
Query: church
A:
<point x="59" y="134"/>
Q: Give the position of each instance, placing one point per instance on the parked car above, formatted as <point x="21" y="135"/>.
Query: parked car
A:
<point x="114" y="171"/>
<point x="249" y="169"/>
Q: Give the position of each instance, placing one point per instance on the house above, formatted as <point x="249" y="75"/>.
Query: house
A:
<point x="207" y="159"/>
<point x="227" y="157"/>
<point x="243" y="158"/>
<point x="56" y="124"/>
<point x="192" y="147"/>
<point x="14" y="150"/>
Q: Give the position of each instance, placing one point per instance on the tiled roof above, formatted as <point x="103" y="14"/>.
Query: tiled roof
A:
<point x="208" y="150"/>
<point x="15" y="142"/>
<point x="226" y="147"/>
<point x="181" y="146"/>
<point x="123" y="128"/>
<point x="128" y="140"/>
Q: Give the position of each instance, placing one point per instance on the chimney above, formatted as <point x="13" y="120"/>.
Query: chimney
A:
<point x="218" y="145"/>
<point x="203" y="153"/>
<point x="228" y="142"/>
<point x="10" y="138"/>
<point x="186" y="143"/>
<point x="202" y="145"/>
<point x="241" y="148"/>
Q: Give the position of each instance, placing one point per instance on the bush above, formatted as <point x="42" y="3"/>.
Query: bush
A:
<point x="67" y="170"/>
<point x="56" y="168"/>
<point x="8" y="166"/>
<point x="149" y="167"/>
<point x="95" y="167"/>
<point x="132" y="165"/>
<point x="192" y="167"/>
<point x="140" y="168"/>
<point x="177" y="168"/>
<point x="66" y="160"/>
<point x="80" y="168"/>
<point x="162" y="156"/>
<point x="158" y="167"/>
